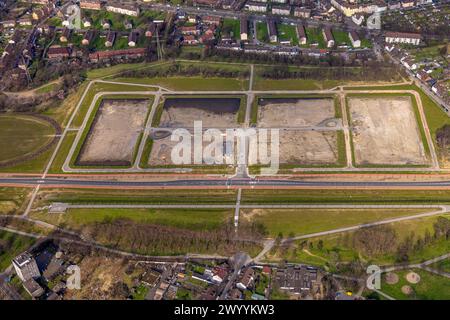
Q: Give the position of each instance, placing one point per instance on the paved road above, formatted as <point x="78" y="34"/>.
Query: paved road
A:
<point x="213" y="182"/>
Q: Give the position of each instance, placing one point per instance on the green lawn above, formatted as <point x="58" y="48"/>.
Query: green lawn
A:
<point x="21" y="135"/>
<point x="63" y="152"/>
<point x="157" y="196"/>
<point x="346" y="196"/>
<point x="341" y="37"/>
<point x="192" y="83"/>
<point x="338" y="247"/>
<point x="262" y="34"/>
<point x="192" y="219"/>
<point x="11" y="199"/>
<point x="430" y="287"/>
<point x="314" y="35"/>
<point x="233" y="27"/>
<point x="306" y="221"/>
<point x="12" y="245"/>
<point x="287" y="32"/>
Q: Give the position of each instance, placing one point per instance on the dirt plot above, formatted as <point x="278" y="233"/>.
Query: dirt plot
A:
<point x="213" y="112"/>
<point x="115" y="132"/>
<point x="385" y="131"/>
<point x="160" y="154"/>
<point x="293" y="112"/>
<point x="307" y="147"/>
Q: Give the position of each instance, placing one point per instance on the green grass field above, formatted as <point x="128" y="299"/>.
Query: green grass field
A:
<point x="430" y="286"/>
<point x="339" y="246"/>
<point x="306" y="221"/>
<point x="262" y="33"/>
<point x="287" y="32"/>
<point x="233" y="27"/>
<point x="11" y="246"/>
<point x="313" y="36"/>
<point x="341" y="37"/>
<point x="157" y="196"/>
<point x="192" y="83"/>
<point x="192" y="219"/>
<point x="21" y="135"/>
<point x="12" y="199"/>
<point x="346" y="196"/>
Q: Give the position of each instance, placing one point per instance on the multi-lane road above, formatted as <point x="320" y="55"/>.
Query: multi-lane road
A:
<point x="65" y="182"/>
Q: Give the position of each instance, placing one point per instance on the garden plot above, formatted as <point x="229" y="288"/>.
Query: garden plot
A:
<point x="114" y="133"/>
<point x="213" y="112"/>
<point x="307" y="147"/>
<point x="385" y="131"/>
<point x="294" y="112"/>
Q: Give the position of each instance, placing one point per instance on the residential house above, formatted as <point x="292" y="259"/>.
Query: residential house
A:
<point x="190" y="40"/>
<point x="246" y="279"/>
<point x="192" y="18"/>
<point x="88" y="37"/>
<point x="91" y="4"/>
<point x="106" y="24"/>
<point x="128" y="10"/>
<point x="215" y="20"/>
<point x="358" y="19"/>
<point x="296" y="279"/>
<point x="302" y="12"/>
<point x="281" y="9"/>
<point x="407" y="3"/>
<point x="402" y="37"/>
<point x="235" y="294"/>
<point x="301" y="34"/>
<point x="58" y="53"/>
<point x="110" y="39"/>
<point x="126" y="54"/>
<point x="354" y="38"/>
<point x="127" y="24"/>
<point x="87" y="22"/>
<point x="26" y="266"/>
<point x="207" y="3"/>
<point x="256" y="6"/>
<point x="33" y="288"/>
<point x="328" y="36"/>
<point x="439" y="89"/>
<point x="133" y="39"/>
<point x="8" y="24"/>
<point x="272" y="28"/>
<point x="349" y="9"/>
<point x="244" y="29"/>
<point x="189" y="30"/>
<point x="394" y="5"/>
<point x="151" y="29"/>
<point x="24" y="21"/>
<point x="266" y="270"/>
<point x="65" y="35"/>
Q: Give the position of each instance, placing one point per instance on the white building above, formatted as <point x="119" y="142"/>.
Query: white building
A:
<point x="354" y="38"/>
<point x="26" y="267"/>
<point x="256" y="7"/>
<point x="126" y="10"/>
<point x="402" y="37"/>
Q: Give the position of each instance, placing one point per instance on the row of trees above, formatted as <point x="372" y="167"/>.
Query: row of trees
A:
<point x="154" y="239"/>
<point x="363" y="73"/>
<point x="187" y="70"/>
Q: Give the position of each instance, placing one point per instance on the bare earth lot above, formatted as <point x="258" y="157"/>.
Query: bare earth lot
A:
<point x="213" y="112"/>
<point x="115" y="132"/>
<point x="292" y="112"/>
<point x="385" y="131"/>
<point x="307" y="147"/>
<point x="162" y="148"/>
